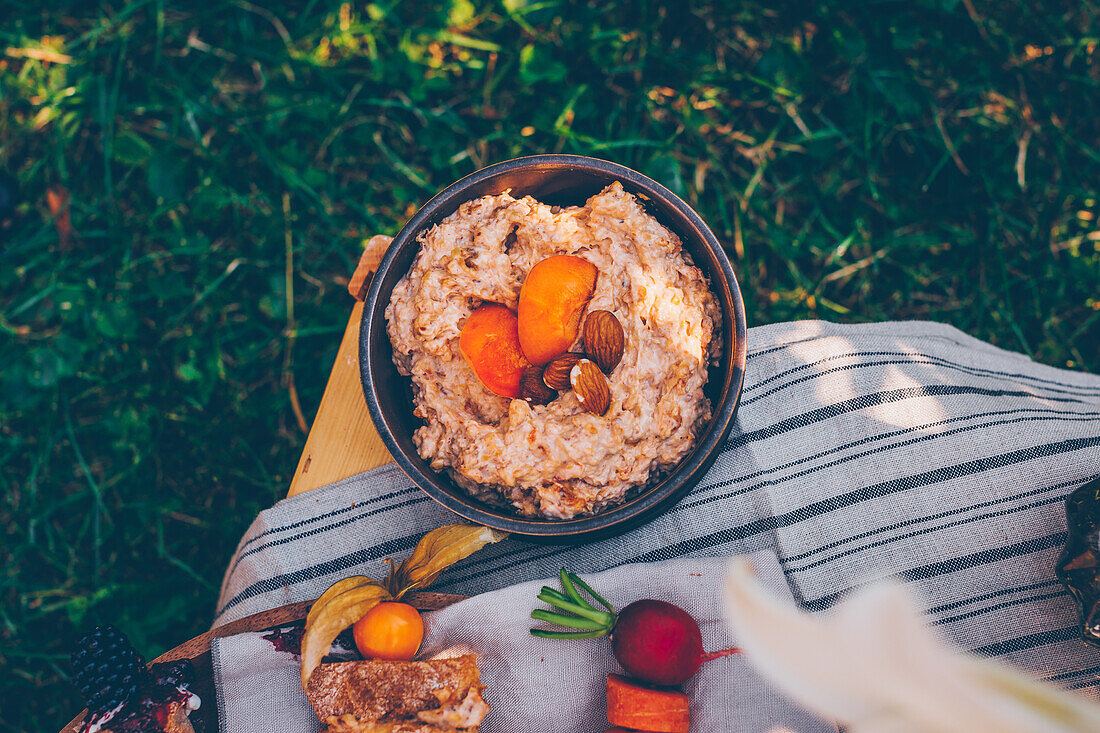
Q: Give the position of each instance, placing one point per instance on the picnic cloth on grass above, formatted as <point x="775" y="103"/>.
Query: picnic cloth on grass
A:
<point x="537" y="684"/>
<point x="902" y="449"/>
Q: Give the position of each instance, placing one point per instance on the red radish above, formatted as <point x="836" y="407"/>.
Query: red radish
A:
<point x="660" y="643"/>
<point x="653" y="640"/>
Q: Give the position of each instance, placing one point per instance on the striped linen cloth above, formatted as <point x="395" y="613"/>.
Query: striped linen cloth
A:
<point x="903" y="449"/>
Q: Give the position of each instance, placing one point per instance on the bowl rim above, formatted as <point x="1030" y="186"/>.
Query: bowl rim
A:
<point x="632" y="512"/>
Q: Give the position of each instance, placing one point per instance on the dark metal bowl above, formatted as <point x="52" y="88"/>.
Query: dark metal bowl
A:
<point x="562" y="180"/>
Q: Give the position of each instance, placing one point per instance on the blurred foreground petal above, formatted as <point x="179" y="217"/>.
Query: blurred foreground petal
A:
<point x="873" y="663"/>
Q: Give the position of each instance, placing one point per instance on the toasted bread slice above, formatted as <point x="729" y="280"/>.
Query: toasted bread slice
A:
<point x="457" y="713"/>
<point x="352" y="724"/>
<point x="376" y="690"/>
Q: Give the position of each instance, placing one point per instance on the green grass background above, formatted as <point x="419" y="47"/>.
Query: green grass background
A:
<point x="919" y="159"/>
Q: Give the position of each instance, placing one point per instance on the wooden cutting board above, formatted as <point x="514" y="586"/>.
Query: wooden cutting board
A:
<point x="342" y="441"/>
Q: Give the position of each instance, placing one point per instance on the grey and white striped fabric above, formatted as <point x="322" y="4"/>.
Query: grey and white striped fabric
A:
<point x="905" y="449"/>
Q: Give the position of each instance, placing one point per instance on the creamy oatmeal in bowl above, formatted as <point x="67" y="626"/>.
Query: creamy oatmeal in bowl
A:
<point x="560" y="270"/>
<point x="554" y="346"/>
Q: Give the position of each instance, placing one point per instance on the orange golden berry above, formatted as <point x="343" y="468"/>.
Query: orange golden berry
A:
<point x="390" y="631"/>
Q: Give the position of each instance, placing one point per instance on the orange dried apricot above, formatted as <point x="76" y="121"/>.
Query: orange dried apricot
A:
<point x="551" y="303"/>
<point x="490" y="343"/>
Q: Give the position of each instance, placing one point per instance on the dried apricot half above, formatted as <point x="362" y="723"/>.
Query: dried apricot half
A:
<point x="490" y="343"/>
<point x="553" y="299"/>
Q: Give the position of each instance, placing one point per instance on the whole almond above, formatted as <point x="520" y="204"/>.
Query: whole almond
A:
<point x="590" y="386"/>
<point x="555" y="375"/>
<point x="532" y="389"/>
<point x="604" y="340"/>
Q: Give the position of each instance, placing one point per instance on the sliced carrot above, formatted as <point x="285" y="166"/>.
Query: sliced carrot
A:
<point x="631" y="704"/>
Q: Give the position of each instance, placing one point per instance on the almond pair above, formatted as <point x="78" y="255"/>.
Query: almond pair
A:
<point x="604" y="344"/>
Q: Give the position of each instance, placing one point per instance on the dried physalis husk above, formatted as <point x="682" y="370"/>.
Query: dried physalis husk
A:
<point x="533" y="389"/>
<point x="437" y="551"/>
<point x="348" y="600"/>
<point x="590" y="386"/>
<point x="604" y="340"/>
<point x="336" y="614"/>
<point x="555" y="375"/>
<point x="334" y="590"/>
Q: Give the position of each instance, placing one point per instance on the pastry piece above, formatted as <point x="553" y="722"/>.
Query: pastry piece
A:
<point x="382" y="690"/>
<point x="454" y="712"/>
<point x="122" y="695"/>
<point x="352" y="724"/>
<point x="376" y="696"/>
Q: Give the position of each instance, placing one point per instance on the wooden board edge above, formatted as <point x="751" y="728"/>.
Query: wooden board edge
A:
<point x="342" y="441"/>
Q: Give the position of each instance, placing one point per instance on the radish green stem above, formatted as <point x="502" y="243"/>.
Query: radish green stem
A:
<point x="568" y="634"/>
<point x="556" y="594"/>
<point x="576" y="579"/>
<point x="581" y="615"/>
<point x="570" y="621"/>
<point x="567" y="584"/>
<point x="590" y="613"/>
